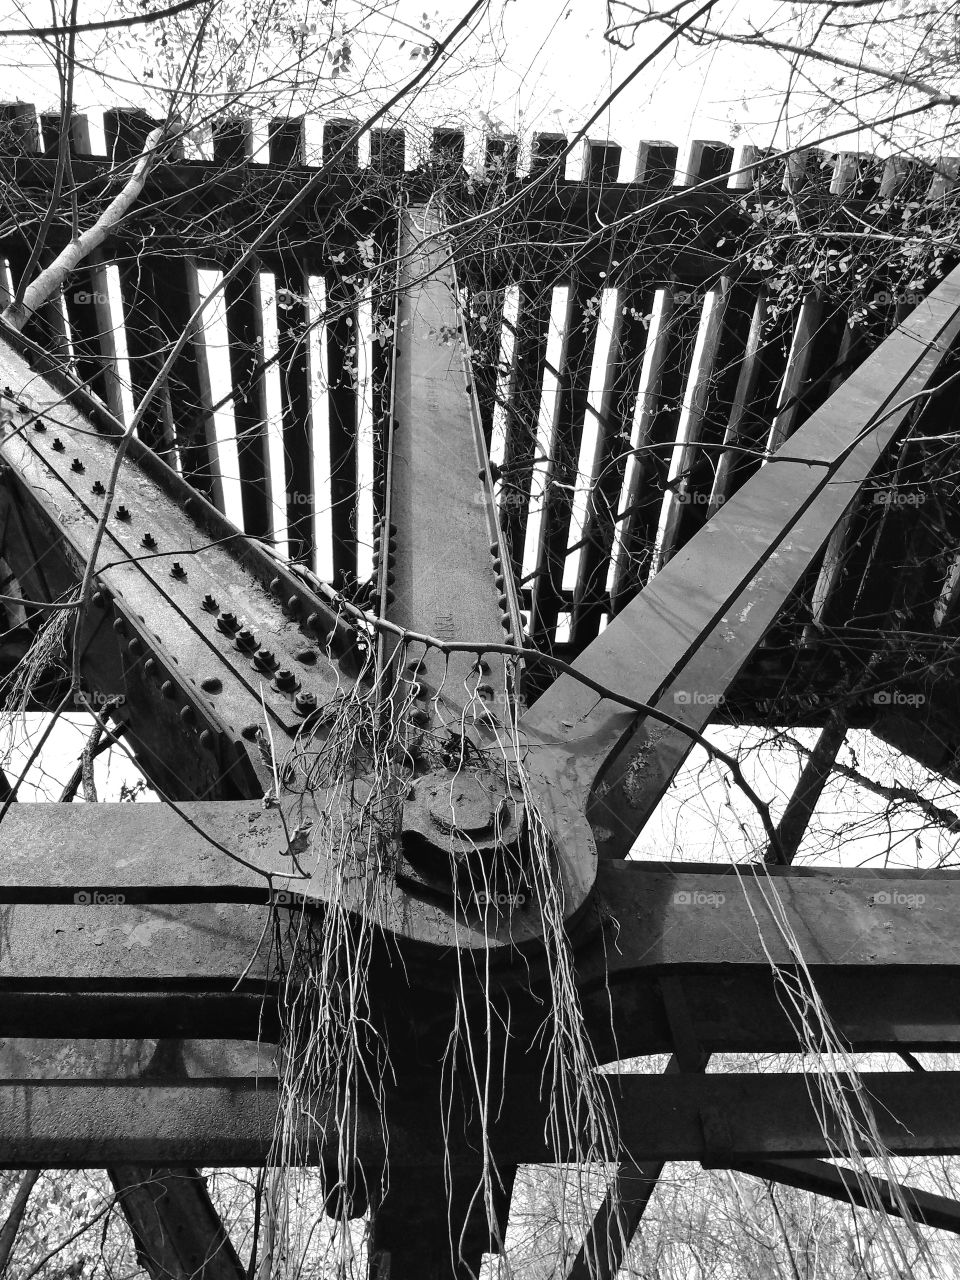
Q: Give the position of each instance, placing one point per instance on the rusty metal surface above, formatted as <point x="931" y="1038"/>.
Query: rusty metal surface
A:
<point x="181" y="595"/>
<point x="158" y="862"/>
<point x="38" y="1058"/>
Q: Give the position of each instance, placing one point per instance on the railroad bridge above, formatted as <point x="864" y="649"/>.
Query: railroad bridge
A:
<point x="413" y="651"/>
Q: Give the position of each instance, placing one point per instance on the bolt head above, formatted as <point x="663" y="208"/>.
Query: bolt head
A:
<point x="264" y="660"/>
<point x="305" y="703"/>
<point x="462" y="805"/>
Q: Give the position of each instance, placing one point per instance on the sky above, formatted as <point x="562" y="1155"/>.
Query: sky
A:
<point x="528" y="67"/>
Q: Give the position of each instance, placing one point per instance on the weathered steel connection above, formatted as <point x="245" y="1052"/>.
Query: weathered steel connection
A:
<point x="217" y="659"/>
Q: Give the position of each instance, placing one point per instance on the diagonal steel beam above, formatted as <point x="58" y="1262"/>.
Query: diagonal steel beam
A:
<point x="199" y="632"/>
<point x="681" y="642"/>
<point x="177" y="1231"/>
<point x="841" y="1183"/>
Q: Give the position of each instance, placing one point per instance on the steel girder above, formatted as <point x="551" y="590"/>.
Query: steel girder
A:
<point x="598" y="763"/>
<point x="716" y="1119"/>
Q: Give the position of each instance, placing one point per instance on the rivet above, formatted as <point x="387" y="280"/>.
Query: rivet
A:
<point x="148" y="541"/>
<point x="119" y="626"/>
<point x="167" y="689"/>
<point x="135" y="647"/>
<point x="99" y="488"/>
<point x="212" y="685"/>
<point x="210" y="604"/>
<point x="150" y="666"/>
<point x="227" y="622"/>
<point x="177" y="570"/>
<point x="99" y="598"/>
<point x="308" y="657"/>
<point x="206" y="739"/>
<point x="285" y="680"/>
<point x="187" y="714"/>
<point x="305" y="703"/>
<point x="249" y="732"/>
<point x="293" y="606"/>
<point x="275" y="586"/>
<point x="123" y="513"/>
<point x="58" y="445"/>
<point x="246" y="640"/>
<point x="40" y="425"/>
<point x="76" y="465"/>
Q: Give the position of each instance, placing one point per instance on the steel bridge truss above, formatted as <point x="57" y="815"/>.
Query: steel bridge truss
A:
<point x="141" y="924"/>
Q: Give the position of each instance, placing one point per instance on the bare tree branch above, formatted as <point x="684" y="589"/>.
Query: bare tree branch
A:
<point x="51" y="278"/>
<point x="109" y="25"/>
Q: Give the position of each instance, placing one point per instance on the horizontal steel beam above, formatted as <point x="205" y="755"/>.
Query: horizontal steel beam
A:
<point x="721" y="1120"/>
<point x="130" y="922"/>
